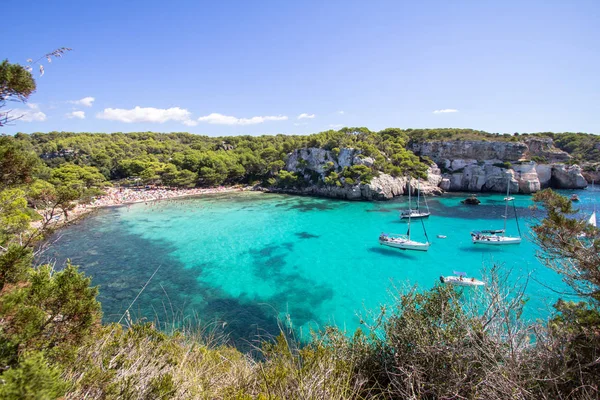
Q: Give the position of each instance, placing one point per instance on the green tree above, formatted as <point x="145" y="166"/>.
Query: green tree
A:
<point x="55" y="309"/>
<point x="16" y="82"/>
<point x="569" y="245"/>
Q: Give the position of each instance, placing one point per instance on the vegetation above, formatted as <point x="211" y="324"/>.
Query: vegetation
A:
<point x="433" y="344"/>
<point x="439" y="343"/>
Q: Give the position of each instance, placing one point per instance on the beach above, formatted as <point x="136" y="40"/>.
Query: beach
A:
<point x="114" y="197"/>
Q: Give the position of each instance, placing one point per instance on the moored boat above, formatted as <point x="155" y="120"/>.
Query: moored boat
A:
<point x="498" y="236"/>
<point x="487" y="237"/>
<point x="574" y="197"/>
<point x="402" y="242"/>
<point x="461" y="280"/>
<point x="418" y="213"/>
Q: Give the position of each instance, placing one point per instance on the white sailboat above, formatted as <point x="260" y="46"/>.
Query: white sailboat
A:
<point x="461" y="280"/>
<point x="498" y="236"/>
<point x="592" y="221"/>
<point x="414" y="214"/>
<point x="404" y="242"/>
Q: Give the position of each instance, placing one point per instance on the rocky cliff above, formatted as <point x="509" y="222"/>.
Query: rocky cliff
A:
<point x="482" y="166"/>
<point x="310" y="161"/>
<point x="466" y="166"/>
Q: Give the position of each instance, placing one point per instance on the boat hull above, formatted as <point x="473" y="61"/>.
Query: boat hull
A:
<point x="456" y="281"/>
<point x="415" y="216"/>
<point x="497" y="240"/>
<point x="405" y="245"/>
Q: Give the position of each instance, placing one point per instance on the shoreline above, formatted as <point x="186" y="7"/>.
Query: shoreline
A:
<point x="116" y="197"/>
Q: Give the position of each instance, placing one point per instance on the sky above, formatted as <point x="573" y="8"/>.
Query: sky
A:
<point x="296" y="67"/>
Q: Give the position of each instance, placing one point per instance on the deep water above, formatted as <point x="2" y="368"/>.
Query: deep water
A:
<point x="248" y="260"/>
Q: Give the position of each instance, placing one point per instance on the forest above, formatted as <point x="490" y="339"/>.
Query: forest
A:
<point x="187" y="160"/>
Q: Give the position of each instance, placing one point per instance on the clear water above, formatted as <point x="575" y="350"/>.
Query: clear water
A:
<point x="247" y="259"/>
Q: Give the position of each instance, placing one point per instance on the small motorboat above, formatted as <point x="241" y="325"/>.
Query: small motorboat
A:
<point x="574" y="197"/>
<point x="510" y="198"/>
<point x="460" y="279"/>
<point x="471" y="200"/>
<point x="441" y="236"/>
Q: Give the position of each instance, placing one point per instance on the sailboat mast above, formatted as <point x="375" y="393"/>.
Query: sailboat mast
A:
<point x="418" y="193"/>
<point x="506" y="199"/>
<point x="409" y="209"/>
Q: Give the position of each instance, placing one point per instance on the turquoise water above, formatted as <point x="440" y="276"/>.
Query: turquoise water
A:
<point x="249" y="259"/>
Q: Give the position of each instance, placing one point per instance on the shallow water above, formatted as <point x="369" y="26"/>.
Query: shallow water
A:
<point x="247" y="259"/>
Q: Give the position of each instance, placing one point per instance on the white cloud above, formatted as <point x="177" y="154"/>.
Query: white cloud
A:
<point x="147" y="114"/>
<point x="336" y="125"/>
<point x="445" y="110"/>
<point x="86" y="101"/>
<point x="76" y="114"/>
<point x="190" y="122"/>
<point x="306" y="116"/>
<point x="32" y="114"/>
<point x="220" y="119"/>
<point x="341" y="112"/>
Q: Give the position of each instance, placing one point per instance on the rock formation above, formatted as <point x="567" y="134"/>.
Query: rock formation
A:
<point x="466" y="166"/>
<point x="475" y="166"/>
<point x="382" y="187"/>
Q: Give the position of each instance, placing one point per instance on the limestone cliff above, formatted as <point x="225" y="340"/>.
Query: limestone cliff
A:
<point x="310" y="161"/>
<point x="466" y="166"/>
<point x="476" y="166"/>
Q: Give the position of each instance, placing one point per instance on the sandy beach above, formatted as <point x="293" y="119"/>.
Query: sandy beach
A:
<point x="121" y="196"/>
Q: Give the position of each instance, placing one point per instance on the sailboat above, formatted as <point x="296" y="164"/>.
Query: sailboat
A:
<point x="592" y="220"/>
<point x="404" y="242"/>
<point x="414" y="214"/>
<point x="498" y="236"/>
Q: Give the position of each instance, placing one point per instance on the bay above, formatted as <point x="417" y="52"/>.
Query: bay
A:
<point x="247" y="261"/>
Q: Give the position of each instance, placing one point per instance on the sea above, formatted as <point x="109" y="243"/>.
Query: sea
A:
<point x="252" y="263"/>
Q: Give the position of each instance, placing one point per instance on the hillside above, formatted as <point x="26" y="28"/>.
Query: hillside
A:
<point x="378" y="168"/>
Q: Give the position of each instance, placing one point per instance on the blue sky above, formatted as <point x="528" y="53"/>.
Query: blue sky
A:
<point x="266" y="67"/>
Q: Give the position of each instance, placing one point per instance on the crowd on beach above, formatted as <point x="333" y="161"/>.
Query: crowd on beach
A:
<point x="119" y="196"/>
<point x="116" y="196"/>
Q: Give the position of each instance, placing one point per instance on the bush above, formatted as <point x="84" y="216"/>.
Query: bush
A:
<point x="33" y="378"/>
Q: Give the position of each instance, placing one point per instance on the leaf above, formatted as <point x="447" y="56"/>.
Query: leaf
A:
<point x="41" y="70"/>
<point x="49" y="59"/>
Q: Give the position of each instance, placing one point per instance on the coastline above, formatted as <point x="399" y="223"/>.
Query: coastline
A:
<point x="116" y="197"/>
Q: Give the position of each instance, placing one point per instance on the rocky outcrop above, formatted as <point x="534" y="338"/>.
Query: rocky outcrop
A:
<point x="478" y="150"/>
<point x="466" y="166"/>
<point x="543" y="148"/>
<point x="591" y="172"/>
<point x="567" y="177"/>
<point x="309" y="161"/>
<point x="443" y="151"/>
<point x="479" y="166"/>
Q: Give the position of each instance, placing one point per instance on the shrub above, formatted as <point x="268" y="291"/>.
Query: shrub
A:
<point x="33" y="378"/>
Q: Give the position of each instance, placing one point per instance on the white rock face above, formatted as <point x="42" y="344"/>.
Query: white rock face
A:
<point x="481" y="171"/>
<point x="568" y="177"/>
<point x="527" y="177"/>
<point x="544" y="172"/>
<point x="478" y="150"/>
